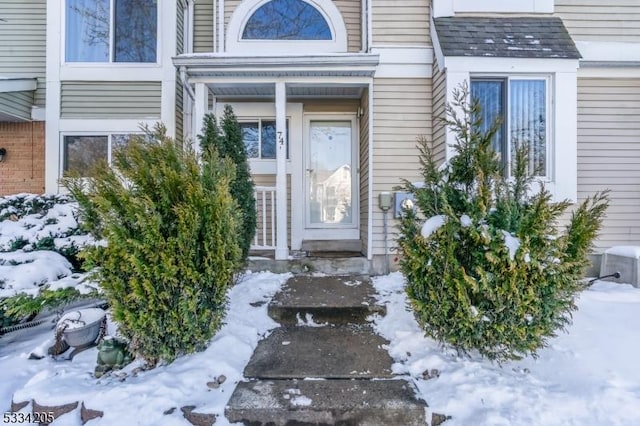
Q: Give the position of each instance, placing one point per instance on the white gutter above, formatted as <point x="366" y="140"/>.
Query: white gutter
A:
<point x="17" y="84"/>
<point x="229" y="61"/>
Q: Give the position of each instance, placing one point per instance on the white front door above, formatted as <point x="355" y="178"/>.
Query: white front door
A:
<point x="330" y="178"/>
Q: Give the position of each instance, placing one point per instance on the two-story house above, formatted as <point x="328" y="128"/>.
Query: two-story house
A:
<point x="331" y="96"/>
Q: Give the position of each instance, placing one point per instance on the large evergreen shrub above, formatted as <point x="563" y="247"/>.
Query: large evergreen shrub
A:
<point x="487" y="269"/>
<point x="227" y="140"/>
<point x="171" y="227"/>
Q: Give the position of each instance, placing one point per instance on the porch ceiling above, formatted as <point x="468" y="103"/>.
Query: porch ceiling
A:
<point x="299" y="91"/>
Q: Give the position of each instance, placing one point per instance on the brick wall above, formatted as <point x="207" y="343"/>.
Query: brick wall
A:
<point x="23" y="167"/>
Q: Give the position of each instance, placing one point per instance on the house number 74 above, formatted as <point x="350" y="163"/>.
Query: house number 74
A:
<point x="280" y="139"/>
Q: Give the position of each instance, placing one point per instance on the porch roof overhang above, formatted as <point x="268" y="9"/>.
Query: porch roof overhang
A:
<point x="16" y="98"/>
<point x="8" y="84"/>
<point x="204" y="67"/>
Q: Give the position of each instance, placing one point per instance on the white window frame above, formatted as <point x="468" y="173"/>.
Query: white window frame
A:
<point x="259" y="121"/>
<point x="111" y="62"/>
<point x="549" y="125"/>
<point x="236" y="44"/>
<point x="109" y="135"/>
<point x="562" y="181"/>
<point x="253" y="111"/>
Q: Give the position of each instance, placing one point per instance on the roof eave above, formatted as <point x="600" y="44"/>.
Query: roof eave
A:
<point x="17" y="84"/>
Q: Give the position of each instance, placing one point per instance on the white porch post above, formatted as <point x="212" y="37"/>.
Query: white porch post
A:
<point x="282" y="251"/>
<point x="201" y="104"/>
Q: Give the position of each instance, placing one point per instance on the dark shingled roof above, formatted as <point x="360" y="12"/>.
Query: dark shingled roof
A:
<point x="505" y="37"/>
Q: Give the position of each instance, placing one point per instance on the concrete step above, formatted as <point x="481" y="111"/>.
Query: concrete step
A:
<point x="331" y="352"/>
<point x="326" y="402"/>
<point x="305" y="265"/>
<point x="332" y="299"/>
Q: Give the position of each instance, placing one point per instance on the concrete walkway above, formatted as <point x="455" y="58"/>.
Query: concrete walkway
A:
<point x="325" y="364"/>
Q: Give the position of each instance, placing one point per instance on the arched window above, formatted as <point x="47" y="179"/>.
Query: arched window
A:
<point x="287" y="20"/>
<point x="286" y="26"/>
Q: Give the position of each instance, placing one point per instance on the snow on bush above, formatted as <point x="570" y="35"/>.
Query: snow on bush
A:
<point x="483" y="274"/>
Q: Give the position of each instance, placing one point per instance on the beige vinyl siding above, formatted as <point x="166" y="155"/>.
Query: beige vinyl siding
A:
<point x="23" y="42"/>
<point x="17" y="104"/>
<point x="122" y="99"/>
<point x="364" y="173"/>
<point x="180" y="48"/>
<point x="400" y="24"/>
<point x="270" y="180"/>
<point x="598" y="20"/>
<point x="402" y="112"/>
<point x="203" y="26"/>
<point x="330" y="106"/>
<point x="229" y="7"/>
<point x="179" y="110"/>
<point x="180" y="27"/>
<point x="439" y="131"/>
<point x="351" y="11"/>
<point x="609" y="153"/>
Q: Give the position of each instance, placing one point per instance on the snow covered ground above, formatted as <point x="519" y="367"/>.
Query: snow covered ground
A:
<point x="590" y="376"/>
<point x="143" y="399"/>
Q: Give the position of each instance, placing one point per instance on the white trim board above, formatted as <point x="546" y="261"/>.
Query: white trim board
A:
<point x="235" y="43"/>
<point x="451" y="7"/>
<point x="17" y="84"/>
<point x="404" y="62"/>
<point x="607" y="51"/>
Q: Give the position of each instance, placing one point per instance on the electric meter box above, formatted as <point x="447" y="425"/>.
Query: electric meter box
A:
<point x="403" y="200"/>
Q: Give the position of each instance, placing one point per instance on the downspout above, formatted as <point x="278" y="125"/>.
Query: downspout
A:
<point x="369" y="25"/>
<point x="190" y="25"/>
<point x="185" y="83"/>
<point x="221" y="47"/>
<point x="365" y="31"/>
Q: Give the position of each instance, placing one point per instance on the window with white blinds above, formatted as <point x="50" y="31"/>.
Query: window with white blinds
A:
<point x="523" y="106"/>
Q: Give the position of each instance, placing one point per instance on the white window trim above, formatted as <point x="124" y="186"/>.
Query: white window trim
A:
<point x="110" y="64"/>
<point x="549" y="124"/>
<point x="91" y="133"/>
<point x="253" y="111"/>
<point x="451" y="7"/>
<point x="563" y="177"/>
<point x="235" y="43"/>
<point x="259" y="121"/>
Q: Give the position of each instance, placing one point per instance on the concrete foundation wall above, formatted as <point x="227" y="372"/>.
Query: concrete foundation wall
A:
<point x="23" y="167"/>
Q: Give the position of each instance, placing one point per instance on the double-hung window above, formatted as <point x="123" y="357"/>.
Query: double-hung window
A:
<point x="523" y="105"/>
<point x="111" y="31"/>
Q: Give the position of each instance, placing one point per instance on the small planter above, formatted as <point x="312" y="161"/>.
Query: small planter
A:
<point x="81" y="327"/>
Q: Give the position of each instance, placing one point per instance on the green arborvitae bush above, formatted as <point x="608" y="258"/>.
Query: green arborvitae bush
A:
<point x="487" y="268"/>
<point x="170" y="224"/>
<point x="227" y="140"/>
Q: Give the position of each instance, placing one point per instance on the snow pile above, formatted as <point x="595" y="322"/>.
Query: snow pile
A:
<point x="57" y="220"/>
<point x="149" y="394"/>
<point x="625" y="251"/>
<point x="589" y="376"/>
<point x="432" y="224"/>
<point x="26" y="272"/>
